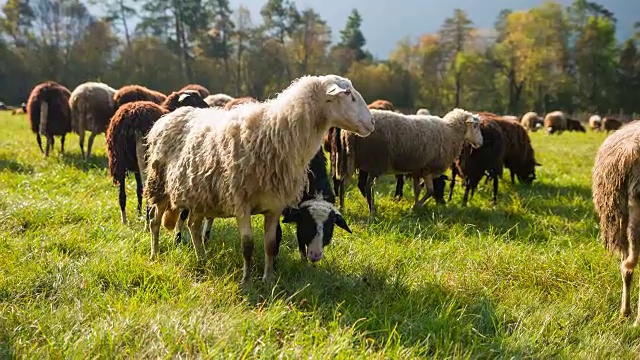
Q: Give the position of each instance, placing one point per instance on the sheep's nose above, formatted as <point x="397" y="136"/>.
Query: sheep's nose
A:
<point x="314" y="256"/>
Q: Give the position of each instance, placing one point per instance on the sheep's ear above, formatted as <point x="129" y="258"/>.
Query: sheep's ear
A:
<point x="342" y="223"/>
<point x="334" y="89"/>
<point x="183" y="96"/>
<point x="291" y="215"/>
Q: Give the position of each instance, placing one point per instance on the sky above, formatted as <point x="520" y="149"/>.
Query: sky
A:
<point x="385" y="22"/>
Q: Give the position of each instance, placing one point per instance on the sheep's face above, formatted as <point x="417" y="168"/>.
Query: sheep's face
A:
<point x="345" y="107"/>
<point x="473" y="136"/>
<point x="315" y="221"/>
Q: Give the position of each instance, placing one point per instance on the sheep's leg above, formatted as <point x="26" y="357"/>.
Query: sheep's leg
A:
<point x="138" y="189"/>
<point x="195" y="230"/>
<point x="338" y="186"/>
<point x="48" y="146"/>
<point x="416" y="189"/>
<point x="271" y="222"/>
<point x="371" y="195"/>
<point x="399" y="187"/>
<point x="495" y="188"/>
<point x="513" y="177"/>
<point x="244" y="226"/>
<point x="39" y="139"/>
<point x="184" y="214"/>
<point x="154" y="225"/>
<point x="81" y="141"/>
<point x="428" y="183"/>
<point x="122" y="198"/>
<point x="467" y="188"/>
<point x="363" y="176"/>
<point x="206" y="231"/>
<point x="61" y="144"/>
<point x="630" y="256"/>
<point x="90" y="144"/>
<point x="453" y="182"/>
<point x="278" y="238"/>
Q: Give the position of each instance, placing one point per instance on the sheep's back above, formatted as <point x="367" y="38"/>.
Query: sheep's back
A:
<point x="59" y="115"/>
<point x="95" y="101"/>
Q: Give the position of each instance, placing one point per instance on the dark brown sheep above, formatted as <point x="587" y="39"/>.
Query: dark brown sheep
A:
<point x="488" y="159"/>
<point x="575" y="125"/>
<point x="519" y="156"/>
<point x="131" y="93"/>
<point x="49" y="114"/>
<point x="382" y="105"/>
<point x="611" y="124"/>
<point x="125" y="145"/>
<point x="203" y="91"/>
<point x="616" y="197"/>
<point x="237" y="101"/>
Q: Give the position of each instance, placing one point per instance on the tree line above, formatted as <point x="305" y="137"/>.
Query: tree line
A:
<point x="542" y="59"/>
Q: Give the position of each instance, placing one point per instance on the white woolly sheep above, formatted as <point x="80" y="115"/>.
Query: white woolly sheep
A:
<point x="423" y="112"/>
<point x="595" y="122"/>
<point x="555" y="122"/>
<point x="249" y="160"/>
<point x="424" y="146"/>
<point x="531" y="121"/>
<point x="218" y="100"/>
<point x="91" y="107"/>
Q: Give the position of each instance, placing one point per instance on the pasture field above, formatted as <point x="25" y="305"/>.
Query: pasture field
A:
<point x="527" y="278"/>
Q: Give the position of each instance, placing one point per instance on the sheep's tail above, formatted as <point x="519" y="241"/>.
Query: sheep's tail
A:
<point x="77" y="114"/>
<point x="44" y="114"/>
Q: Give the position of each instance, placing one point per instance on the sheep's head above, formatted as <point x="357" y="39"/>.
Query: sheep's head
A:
<point x="473" y="135"/>
<point x="315" y="220"/>
<point x="344" y="106"/>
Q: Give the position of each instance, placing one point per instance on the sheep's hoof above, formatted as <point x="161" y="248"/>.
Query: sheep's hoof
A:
<point x="269" y="278"/>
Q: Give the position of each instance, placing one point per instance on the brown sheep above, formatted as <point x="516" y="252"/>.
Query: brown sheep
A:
<point x="616" y="198"/>
<point x="203" y="91"/>
<point x="125" y="145"/>
<point x="519" y="156"/>
<point x="382" y="105"/>
<point x="531" y="121"/>
<point x="131" y="93"/>
<point x="237" y="101"/>
<point x="49" y="113"/>
<point x="91" y="107"/>
<point x="611" y="124"/>
<point x="555" y="122"/>
<point x="575" y="125"/>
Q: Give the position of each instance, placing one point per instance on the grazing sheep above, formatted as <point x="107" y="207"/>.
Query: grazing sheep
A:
<point x="218" y="100"/>
<point x="423" y="146"/>
<point x="555" y="122"/>
<point x="595" y="122"/>
<point x="91" y="107"/>
<point x="519" y="156"/>
<point x="616" y="198"/>
<point x="575" y="125"/>
<point x="423" y="112"/>
<point x="249" y="160"/>
<point x="531" y="121"/>
<point x="315" y="215"/>
<point x="203" y="91"/>
<point x="611" y="124"/>
<point x="131" y="93"/>
<point x="488" y="159"/>
<point x="124" y="137"/>
<point x="237" y="101"/>
<point x="49" y="114"/>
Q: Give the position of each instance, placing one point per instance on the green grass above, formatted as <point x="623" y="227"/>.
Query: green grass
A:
<point x="527" y="278"/>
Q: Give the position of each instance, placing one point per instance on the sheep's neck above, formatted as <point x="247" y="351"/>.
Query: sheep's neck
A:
<point x="459" y="130"/>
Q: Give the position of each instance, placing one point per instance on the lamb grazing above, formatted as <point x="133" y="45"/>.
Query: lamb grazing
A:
<point x="519" y="156"/>
<point x="203" y="91"/>
<point x="616" y="197"/>
<point x="555" y="122"/>
<point x="249" y="160"/>
<point x="488" y="159"/>
<point x="49" y="114"/>
<point x="125" y="145"/>
<point x="91" y="107"/>
<point x="423" y="112"/>
<point x="531" y="121"/>
<point x="423" y="146"/>
<point x="315" y="215"/>
<point x="575" y="125"/>
<point x="237" y="101"/>
<point x="611" y="124"/>
<point x="218" y="100"/>
<point x="595" y="121"/>
<point x="131" y="93"/>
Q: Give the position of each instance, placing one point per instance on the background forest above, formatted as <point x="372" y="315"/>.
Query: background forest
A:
<point x="543" y="59"/>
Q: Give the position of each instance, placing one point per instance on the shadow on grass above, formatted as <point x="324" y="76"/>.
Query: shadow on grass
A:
<point x="75" y="160"/>
<point x="14" y="166"/>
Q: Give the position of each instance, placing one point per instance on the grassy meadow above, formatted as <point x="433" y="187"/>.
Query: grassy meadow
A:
<point x="527" y="278"/>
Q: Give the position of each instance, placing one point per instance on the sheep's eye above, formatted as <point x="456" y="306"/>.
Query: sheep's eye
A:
<point x="347" y="92"/>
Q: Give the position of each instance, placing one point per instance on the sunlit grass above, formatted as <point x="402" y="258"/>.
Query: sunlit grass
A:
<point x="527" y="278"/>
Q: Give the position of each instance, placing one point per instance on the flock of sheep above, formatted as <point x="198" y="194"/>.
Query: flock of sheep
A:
<point x="197" y="157"/>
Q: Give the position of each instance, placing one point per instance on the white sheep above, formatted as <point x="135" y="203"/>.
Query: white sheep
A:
<point x="423" y="112"/>
<point x="422" y="145"/>
<point x="531" y="121"/>
<point x="595" y="122"/>
<point x="218" y="100"/>
<point x="92" y="107"/>
<point x="252" y="159"/>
